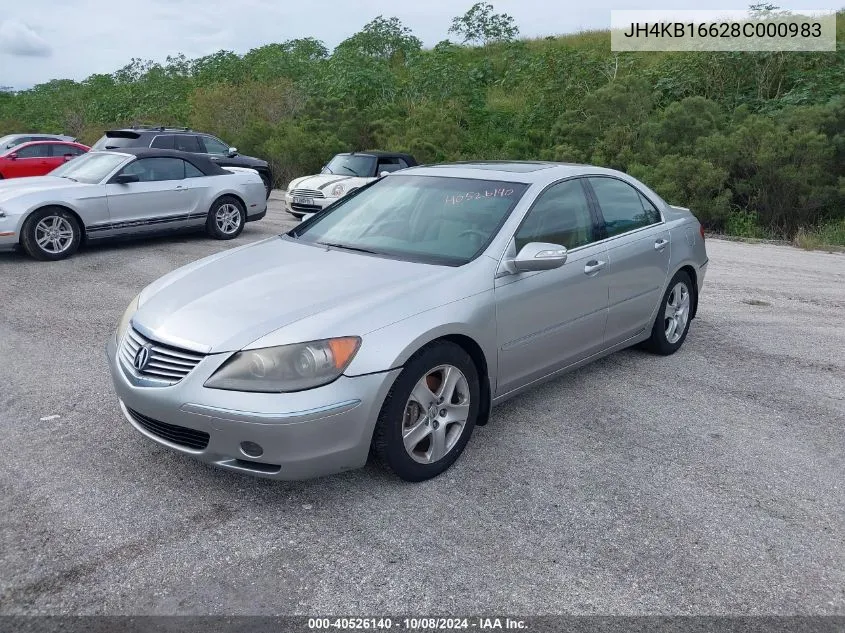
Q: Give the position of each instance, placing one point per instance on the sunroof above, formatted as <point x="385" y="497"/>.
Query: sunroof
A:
<point x="518" y="167"/>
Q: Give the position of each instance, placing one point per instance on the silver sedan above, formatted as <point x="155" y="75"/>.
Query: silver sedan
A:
<point x="391" y="323"/>
<point x="136" y="192"/>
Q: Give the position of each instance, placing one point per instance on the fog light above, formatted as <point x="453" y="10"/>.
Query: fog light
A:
<point x="251" y="449"/>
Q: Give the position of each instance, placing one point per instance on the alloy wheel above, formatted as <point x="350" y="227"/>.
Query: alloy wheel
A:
<point x="676" y="314"/>
<point x="435" y="414"/>
<point x="54" y="234"/>
<point x="228" y="218"/>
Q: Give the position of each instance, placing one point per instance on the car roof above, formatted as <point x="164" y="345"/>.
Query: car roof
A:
<point x="152" y="130"/>
<point x="509" y="171"/>
<point x="382" y="154"/>
<point x="50" y="141"/>
<point x="205" y="165"/>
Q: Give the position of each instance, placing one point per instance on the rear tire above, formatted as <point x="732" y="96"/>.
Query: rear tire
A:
<point x="268" y="184"/>
<point x="226" y="218"/>
<point x="673" y="317"/>
<point x="429" y="413"/>
<point x="51" y="234"/>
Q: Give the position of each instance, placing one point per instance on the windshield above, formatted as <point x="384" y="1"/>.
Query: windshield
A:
<point x="90" y="168"/>
<point x="10" y="140"/>
<point x="352" y="165"/>
<point x="432" y="219"/>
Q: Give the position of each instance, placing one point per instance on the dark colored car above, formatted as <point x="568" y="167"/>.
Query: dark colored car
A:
<point x="185" y="140"/>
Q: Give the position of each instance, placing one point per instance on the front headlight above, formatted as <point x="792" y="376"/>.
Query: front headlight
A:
<point x="123" y="324"/>
<point x="337" y="191"/>
<point x="286" y="368"/>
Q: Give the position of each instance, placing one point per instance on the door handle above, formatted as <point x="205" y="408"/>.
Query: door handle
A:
<point x="593" y="266"/>
<point x="181" y="188"/>
<point x="660" y="244"/>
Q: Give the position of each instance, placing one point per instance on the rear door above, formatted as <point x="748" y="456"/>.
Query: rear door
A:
<point x="638" y="253"/>
<point x="162" y="198"/>
<point x="60" y="153"/>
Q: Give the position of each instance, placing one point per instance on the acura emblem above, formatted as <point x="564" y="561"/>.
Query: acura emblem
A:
<point x="142" y="357"/>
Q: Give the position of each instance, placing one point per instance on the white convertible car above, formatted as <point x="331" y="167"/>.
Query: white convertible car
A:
<point x="128" y="192"/>
<point x="342" y="175"/>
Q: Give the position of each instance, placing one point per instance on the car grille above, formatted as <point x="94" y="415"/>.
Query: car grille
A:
<point x="181" y="435"/>
<point x="307" y="193"/>
<point x="166" y="363"/>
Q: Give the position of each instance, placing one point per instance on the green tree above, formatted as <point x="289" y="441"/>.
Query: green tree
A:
<point x="481" y="26"/>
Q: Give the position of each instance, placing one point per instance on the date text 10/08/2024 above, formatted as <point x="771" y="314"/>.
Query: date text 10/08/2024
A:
<point x="416" y="624"/>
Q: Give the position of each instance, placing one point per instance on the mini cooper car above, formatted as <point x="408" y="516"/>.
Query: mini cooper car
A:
<point x="391" y="323"/>
<point x="342" y="175"/>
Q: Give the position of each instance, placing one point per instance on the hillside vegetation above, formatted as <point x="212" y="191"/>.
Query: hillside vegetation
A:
<point x="753" y="142"/>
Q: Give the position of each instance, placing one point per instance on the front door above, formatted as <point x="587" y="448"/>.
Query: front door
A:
<point x="550" y="319"/>
<point x="161" y="199"/>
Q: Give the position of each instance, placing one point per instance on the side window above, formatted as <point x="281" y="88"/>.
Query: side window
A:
<point x="56" y="149"/>
<point x="214" y="146"/>
<point x="163" y="141"/>
<point x="187" y="143"/>
<point x="191" y="171"/>
<point x="156" y="169"/>
<point x="623" y="207"/>
<point x="389" y="165"/>
<point x="561" y="215"/>
<point x="36" y="150"/>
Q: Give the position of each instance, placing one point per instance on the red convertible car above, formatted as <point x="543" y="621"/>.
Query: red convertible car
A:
<point x="38" y="158"/>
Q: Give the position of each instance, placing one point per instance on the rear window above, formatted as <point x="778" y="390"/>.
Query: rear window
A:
<point x="116" y="142"/>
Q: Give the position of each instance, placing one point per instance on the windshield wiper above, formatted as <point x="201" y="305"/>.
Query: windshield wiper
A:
<point x="348" y="248"/>
<point x="350" y="169"/>
<point x="69" y="178"/>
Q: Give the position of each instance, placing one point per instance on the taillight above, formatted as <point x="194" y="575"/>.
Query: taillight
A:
<point x="701" y="230"/>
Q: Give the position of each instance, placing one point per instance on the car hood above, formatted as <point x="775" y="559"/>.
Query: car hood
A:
<point x="324" y="182"/>
<point x="227" y="301"/>
<point x="238" y="160"/>
<point x="16" y="187"/>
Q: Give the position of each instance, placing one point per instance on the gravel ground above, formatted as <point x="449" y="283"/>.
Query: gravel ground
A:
<point x="707" y="482"/>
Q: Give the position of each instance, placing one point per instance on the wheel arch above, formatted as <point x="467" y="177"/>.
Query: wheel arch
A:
<point x="689" y="269"/>
<point x="63" y="207"/>
<point x="230" y="194"/>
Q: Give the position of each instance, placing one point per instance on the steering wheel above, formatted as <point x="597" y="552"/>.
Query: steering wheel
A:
<point x="482" y="236"/>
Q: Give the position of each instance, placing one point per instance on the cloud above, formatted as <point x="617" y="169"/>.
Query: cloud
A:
<point x="16" y="38"/>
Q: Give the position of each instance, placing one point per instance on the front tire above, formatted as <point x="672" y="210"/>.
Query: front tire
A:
<point x="51" y="234"/>
<point x="429" y="413"/>
<point x="226" y="218"/>
<point x="673" y="317"/>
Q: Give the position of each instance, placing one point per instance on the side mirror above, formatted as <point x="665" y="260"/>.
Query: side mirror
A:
<point x="13" y="156"/>
<point x="125" y="179"/>
<point x="539" y="256"/>
<point x="233" y="151"/>
<point x="383" y="174"/>
<point x="67" y="157"/>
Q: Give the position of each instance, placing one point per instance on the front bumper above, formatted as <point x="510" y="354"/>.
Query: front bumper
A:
<point x="8" y="232"/>
<point x="304" y="434"/>
<point x="305" y="210"/>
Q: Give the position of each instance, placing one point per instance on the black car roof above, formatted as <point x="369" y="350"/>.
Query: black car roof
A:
<point x="206" y="166"/>
<point x="381" y="154"/>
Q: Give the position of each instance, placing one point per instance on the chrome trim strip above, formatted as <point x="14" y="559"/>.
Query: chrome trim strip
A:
<point x="291" y="417"/>
<point x="188" y="346"/>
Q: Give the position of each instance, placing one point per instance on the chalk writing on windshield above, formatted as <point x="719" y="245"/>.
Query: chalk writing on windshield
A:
<point x="469" y="196"/>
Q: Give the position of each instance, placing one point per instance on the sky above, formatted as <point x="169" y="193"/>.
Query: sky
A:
<point x="42" y="40"/>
